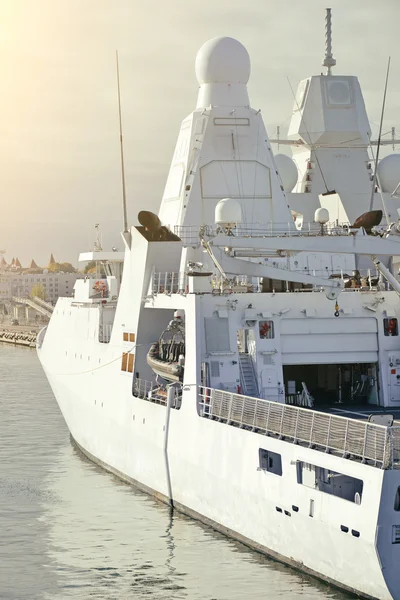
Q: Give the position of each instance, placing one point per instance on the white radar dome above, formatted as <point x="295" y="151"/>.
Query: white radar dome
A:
<point x="228" y="212"/>
<point x="222" y="60"/>
<point x="287" y="170"/>
<point x="389" y="173"/>
<point x="321" y="216"/>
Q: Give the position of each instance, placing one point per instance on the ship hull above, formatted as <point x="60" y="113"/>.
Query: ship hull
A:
<point x="217" y="526"/>
<point x="214" y="477"/>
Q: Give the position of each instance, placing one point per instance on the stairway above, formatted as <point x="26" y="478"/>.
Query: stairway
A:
<point x="247" y="376"/>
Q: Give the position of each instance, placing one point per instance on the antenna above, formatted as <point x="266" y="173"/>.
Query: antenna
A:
<point x="122" y="152"/>
<point x="97" y="242"/>
<point x="379" y="138"/>
<point x="329" y="61"/>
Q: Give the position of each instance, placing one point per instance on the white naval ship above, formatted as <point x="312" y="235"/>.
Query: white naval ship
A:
<point x="240" y="360"/>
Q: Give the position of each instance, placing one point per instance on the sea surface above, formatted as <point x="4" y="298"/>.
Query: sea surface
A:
<point x="70" y="530"/>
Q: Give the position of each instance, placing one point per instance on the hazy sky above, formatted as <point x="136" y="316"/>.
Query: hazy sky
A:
<point x="59" y="142"/>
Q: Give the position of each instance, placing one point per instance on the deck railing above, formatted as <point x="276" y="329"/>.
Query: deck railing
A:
<point x="147" y="390"/>
<point x="190" y="234"/>
<point x="350" y="438"/>
<point x="168" y="283"/>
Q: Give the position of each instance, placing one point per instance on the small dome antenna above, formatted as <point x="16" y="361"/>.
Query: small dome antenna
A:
<point x="329" y="61"/>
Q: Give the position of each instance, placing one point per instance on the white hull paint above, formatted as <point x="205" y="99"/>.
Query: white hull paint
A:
<point x="94" y="349"/>
<point x="214" y="476"/>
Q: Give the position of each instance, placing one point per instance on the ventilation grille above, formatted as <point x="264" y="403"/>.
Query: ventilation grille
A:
<point x="269" y="359"/>
<point x="214" y="368"/>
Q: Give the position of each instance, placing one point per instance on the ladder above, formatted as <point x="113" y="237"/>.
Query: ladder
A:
<point x="247" y="375"/>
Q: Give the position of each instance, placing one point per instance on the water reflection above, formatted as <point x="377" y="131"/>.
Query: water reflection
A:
<point x="70" y="530"/>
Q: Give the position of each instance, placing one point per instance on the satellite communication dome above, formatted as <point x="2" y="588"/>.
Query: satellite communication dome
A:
<point x="321" y="216"/>
<point x="228" y="212"/>
<point x="222" y="60"/>
<point x="389" y="173"/>
<point x="287" y="170"/>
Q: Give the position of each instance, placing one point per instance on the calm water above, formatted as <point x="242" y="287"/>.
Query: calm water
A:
<point x="70" y="530"/>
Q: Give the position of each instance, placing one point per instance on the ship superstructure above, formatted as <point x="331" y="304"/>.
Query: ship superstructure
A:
<point x="232" y="370"/>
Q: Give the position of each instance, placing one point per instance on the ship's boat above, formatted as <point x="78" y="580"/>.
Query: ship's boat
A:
<point x="167" y="356"/>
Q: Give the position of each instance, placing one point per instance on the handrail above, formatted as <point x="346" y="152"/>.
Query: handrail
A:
<point x="350" y="438"/>
<point x="170" y="282"/>
<point x="147" y="390"/>
<point x="43" y="307"/>
<point x="190" y="234"/>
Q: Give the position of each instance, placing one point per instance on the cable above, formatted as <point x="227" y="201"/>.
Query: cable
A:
<point x="108" y="363"/>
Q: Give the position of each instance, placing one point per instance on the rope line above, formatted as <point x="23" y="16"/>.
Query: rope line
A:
<point x="108" y="363"/>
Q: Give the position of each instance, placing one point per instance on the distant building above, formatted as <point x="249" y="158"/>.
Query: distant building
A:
<point x="54" y="284"/>
<point x="16" y="281"/>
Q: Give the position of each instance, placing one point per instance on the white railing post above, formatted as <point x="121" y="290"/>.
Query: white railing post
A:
<point x="255" y="414"/>
<point x="241" y="417"/>
<point x="363" y="459"/>
<point x="345" y="438"/>
<point x="328" y="435"/>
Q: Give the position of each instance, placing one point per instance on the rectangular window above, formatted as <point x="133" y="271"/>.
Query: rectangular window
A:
<point x="266" y="329"/>
<point x="330" y="482"/>
<point x="124" y="361"/>
<point x="130" y="363"/>
<point x="270" y="461"/>
<point x="390" y="327"/>
<point x="126" y="336"/>
<point x="131" y="337"/>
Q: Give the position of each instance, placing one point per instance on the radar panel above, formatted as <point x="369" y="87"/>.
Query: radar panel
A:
<point x="338" y="92"/>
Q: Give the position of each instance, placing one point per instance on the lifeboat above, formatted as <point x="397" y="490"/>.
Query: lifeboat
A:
<point x="167" y="356"/>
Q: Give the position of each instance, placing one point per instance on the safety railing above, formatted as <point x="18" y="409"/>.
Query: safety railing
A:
<point x="147" y="390"/>
<point x="168" y="283"/>
<point x="350" y="438"/>
<point x="190" y="234"/>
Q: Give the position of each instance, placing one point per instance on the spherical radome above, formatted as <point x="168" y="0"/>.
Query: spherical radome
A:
<point x="222" y="60"/>
<point x="389" y="173"/>
<point x="228" y="212"/>
<point x="321" y="216"/>
<point x="287" y="170"/>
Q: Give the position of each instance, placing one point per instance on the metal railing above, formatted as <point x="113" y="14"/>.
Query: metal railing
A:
<point x="168" y="283"/>
<point x="38" y="304"/>
<point x="350" y="438"/>
<point x="147" y="390"/>
<point x="190" y="234"/>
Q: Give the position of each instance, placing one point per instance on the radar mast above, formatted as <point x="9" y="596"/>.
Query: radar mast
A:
<point x="329" y="61"/>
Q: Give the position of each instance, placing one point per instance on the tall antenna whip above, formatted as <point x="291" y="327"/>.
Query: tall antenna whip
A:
<point x="379" y="138"/>
<point x="122" y="152"/>
<point x="329" y="61"/>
